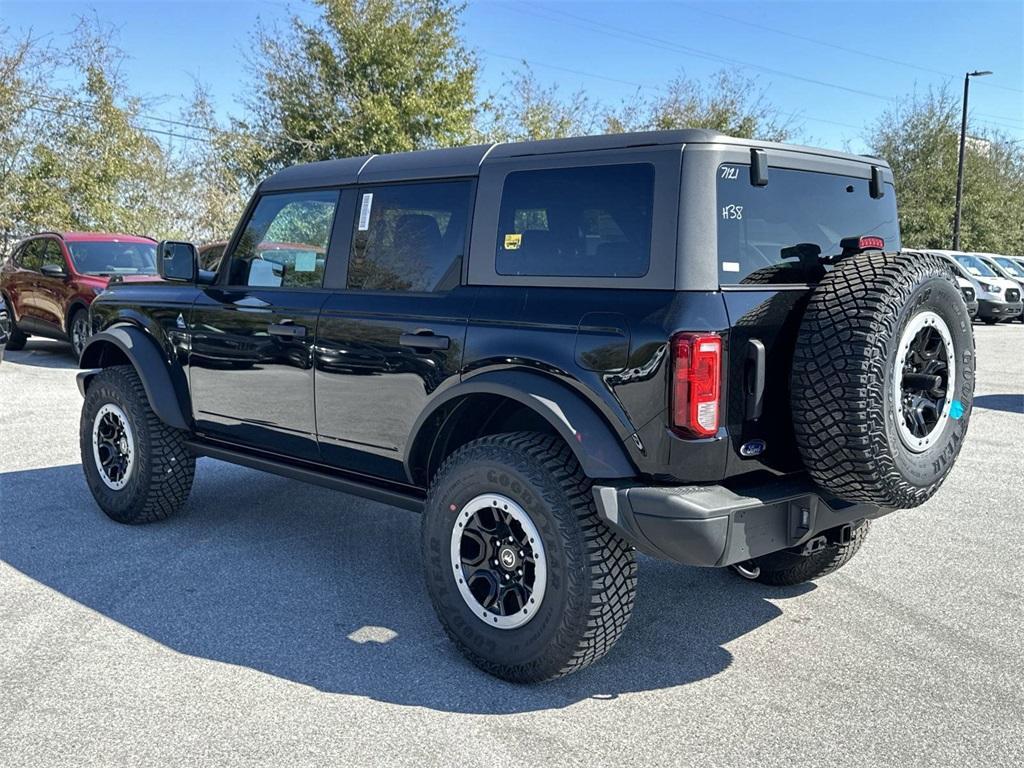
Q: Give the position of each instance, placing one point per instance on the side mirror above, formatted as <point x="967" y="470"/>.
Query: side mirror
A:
<point x="53" y="270"/>
<point x="177" y="261"/>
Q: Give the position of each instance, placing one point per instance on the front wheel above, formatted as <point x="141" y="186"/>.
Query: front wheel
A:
<point x="78" y="330"/>
<point x="16" y="338"/>
<point x="137" y="467"/>
<point x="526" y="580"/>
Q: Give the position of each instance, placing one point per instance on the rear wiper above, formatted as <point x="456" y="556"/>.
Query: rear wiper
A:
<point x="809" y="254"/>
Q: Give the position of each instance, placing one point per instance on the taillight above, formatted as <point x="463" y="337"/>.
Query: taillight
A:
<point x="696" y="377"/>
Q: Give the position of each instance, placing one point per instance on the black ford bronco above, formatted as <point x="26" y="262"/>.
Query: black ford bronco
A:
<point x="562" y="352"/>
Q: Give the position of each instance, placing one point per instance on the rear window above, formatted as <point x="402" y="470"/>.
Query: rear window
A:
<point x="778" y="233"/>
<point x="588" y="221"/>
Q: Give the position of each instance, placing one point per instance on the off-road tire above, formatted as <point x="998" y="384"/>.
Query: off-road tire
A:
<point x="162" y="476"/>
<point x="844" y="410"/>
<point x="786" y="569"/>
<point x="591" y="572"/>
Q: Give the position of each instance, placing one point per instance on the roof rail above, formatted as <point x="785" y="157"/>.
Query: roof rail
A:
<point x="49" y="232"/>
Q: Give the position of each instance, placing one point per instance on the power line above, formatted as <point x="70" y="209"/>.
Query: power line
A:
<point x="594" y="75"/>
<point x="829" y="44"/>
<point x="573" y="71"/>
<point x="656" y="42"/>
<point x="136" y="127"/>
<point x="1002" y="117"/>
<point x="141" y="115"/>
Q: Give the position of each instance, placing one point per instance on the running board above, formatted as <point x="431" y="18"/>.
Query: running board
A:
<point x="406" y="499"/>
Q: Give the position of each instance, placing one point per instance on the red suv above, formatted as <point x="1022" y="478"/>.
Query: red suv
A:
<point x="51" y="278"/>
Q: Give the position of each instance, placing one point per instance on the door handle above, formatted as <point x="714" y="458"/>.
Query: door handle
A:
<point x="755" y="378"/>
<point x="424" y="340"/>
<point x="287" y="328"/>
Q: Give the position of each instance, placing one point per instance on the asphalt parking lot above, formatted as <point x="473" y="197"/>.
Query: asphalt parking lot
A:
<point x="284" y="624"/>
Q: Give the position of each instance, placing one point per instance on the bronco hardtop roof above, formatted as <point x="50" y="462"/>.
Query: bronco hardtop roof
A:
<point x="466" y="161"/>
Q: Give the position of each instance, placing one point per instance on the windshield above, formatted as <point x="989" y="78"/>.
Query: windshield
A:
<point x="110" y="257"/>
<point x="1010" y="266"/>
<point x="778" y="233"/>
<point x="975" y="266"/>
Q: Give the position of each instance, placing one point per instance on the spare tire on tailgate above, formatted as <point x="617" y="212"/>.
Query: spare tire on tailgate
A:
<point x="883" y="378"/>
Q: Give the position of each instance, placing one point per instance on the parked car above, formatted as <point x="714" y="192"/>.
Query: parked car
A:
<point x="706" y="349"/>
<point x="967" y="285"/>
<point x="1006" y="267"/>
<point x="51" y="278"/>
<point x="5" y="327"/>
<point x="999" y="299"/>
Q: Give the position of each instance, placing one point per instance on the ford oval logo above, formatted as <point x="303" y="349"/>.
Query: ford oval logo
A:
<point x="752" y="448"/>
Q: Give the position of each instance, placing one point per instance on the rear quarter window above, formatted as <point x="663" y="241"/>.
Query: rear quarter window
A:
<point x="777" y="234"/>
<point x="587" y="221"/>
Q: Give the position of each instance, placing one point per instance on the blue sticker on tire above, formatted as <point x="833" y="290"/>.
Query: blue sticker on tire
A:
<point x="956" y="409"/>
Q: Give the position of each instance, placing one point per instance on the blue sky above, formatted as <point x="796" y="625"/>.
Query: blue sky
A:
<point x="835" y="66"/>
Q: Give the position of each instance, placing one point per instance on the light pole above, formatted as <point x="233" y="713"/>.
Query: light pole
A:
<point x="960" y="163"/>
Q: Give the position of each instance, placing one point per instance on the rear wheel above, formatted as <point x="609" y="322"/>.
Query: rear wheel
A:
<point x="137" y="467"/>
<point x="526" y="580"/>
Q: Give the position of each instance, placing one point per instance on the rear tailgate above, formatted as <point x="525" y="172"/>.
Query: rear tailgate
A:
<point x="774" y="241"/>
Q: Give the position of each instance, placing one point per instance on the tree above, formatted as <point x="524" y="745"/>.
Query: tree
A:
<point x="210" y="184"/>
<point x="26" y="67"/>
<point x="92" y="167"/>
<point x="920" y="140"/>
<point x="728" y="102"/>
<point x="526" y="110"/>
<point x="367" y="76"/>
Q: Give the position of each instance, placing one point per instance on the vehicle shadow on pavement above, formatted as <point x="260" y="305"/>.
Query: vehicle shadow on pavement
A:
<point x="43" y="353"/>
<point x="326" y="590"/>
<point x="1008" y="403"/>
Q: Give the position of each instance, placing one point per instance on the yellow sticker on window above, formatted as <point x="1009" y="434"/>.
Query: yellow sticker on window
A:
<point x="512" y="242"/>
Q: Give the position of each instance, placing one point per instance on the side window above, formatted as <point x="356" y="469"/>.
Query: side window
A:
<point x="53" y="254"/>
<point x="284" y="244"/>
<point x="588" y="221"/>
<point x="31" y="255"/>
<point x="410" y="237"/>
<point x="209" y="257"/>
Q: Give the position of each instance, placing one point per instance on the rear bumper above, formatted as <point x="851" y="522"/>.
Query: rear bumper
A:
<point x="998" y="309"/>
<point x="712" y="525"/>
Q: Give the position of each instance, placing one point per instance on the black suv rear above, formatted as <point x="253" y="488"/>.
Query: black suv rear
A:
<point x="705" y="349"/>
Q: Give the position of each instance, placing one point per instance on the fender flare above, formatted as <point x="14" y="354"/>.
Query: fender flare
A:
<point x="598" y="449"/>
<point x="169" y="402"/>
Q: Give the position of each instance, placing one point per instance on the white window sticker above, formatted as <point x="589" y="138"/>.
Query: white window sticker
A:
<point x="732" y="211"/>
<point x="364" y="212"/>
<point x="730" y="266"/>
<point x="305" y="261"/>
